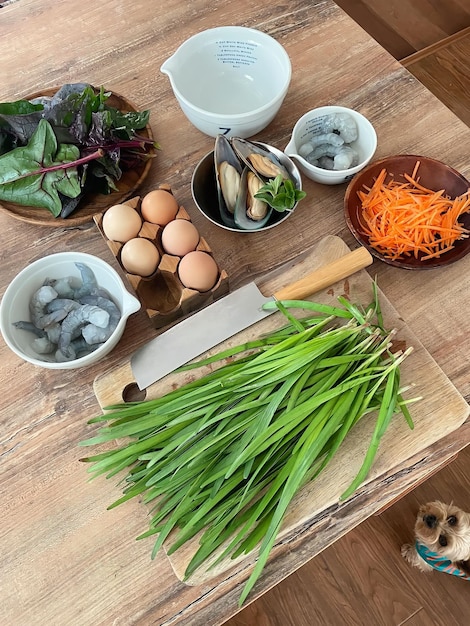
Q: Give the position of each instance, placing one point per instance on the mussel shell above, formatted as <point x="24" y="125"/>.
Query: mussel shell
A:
<point x="224" y="152"/>
<point x="242" y="220"/>
<point x="245" y="149"/>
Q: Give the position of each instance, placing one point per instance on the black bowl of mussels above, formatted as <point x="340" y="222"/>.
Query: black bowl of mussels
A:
<point x="246" y="186"/>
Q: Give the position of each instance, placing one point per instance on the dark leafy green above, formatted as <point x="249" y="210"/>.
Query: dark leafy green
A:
<point x="54" y="150"/>
<point x="18" y="121"/>
<point x="35" y="174"/>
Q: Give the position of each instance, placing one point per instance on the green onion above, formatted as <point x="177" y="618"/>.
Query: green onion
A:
<point x="223" y="456"/>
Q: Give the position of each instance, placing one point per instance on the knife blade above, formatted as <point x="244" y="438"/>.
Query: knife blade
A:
<point x="228" y="316"/>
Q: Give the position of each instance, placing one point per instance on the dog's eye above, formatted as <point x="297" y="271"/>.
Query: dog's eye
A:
<point x="452" y="520"/>
<point x="442" y="541"/>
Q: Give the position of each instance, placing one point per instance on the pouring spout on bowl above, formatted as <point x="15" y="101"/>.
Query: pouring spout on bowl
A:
<point x="168" y="66"/>
<point x="130" y="304"/>
<point x="291" y="151"/>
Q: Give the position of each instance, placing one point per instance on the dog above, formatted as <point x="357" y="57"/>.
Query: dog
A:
<point x="442" y="540"/>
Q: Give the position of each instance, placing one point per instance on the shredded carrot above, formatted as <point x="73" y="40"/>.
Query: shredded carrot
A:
<point x="403" y="219"/>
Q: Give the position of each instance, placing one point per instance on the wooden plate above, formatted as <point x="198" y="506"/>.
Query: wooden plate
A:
<point x="91" y="203"/>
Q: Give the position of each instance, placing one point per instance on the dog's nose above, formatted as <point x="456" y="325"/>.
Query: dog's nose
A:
<point x="430" y="520"/>
<point x="442" y="541"/>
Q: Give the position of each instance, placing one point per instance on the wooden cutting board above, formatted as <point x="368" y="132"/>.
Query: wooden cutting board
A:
<point x="441" y="411"/>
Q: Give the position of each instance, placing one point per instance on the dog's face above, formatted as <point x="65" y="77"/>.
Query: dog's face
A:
<point x="444" y="529"/>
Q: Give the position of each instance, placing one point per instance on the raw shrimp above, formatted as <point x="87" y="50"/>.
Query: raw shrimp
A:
<point x="324" y="149"/>
<point x="57" y="310"/>
<point x="89" y="285"/>
<point x="30" y="327"/>
<point x="347" y="157"/>
<point x="62" y="308"/>
<point x="53" y="332"/>
<point x="63" y="357"/>
<point x="82" y="347"/>
<point x="326" y="162"/>
<point x="343" y="156"/>
<point x="42" y="345"/>
<point x="77" y="348"/>
<point x="38" y="303"/>
<point x="66" y="286"/>
<point x="91" y="332"/>
<point x="341" y="124"/>
<point x="75" y="320"/>
<point x="316" y="140"/>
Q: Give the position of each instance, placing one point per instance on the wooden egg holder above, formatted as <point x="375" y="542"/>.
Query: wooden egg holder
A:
<point x="163" y="295"/>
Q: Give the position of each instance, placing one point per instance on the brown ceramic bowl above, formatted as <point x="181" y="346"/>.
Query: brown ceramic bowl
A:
<point x="432" y="174"/>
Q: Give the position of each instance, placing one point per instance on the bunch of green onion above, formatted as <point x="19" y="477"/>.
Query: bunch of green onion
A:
<point x="224" y="455"/>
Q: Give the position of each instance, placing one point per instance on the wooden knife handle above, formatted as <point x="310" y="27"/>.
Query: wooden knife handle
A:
<point x="326" y="275"/>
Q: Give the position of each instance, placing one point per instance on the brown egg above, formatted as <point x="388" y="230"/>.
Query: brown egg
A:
<point x="198" y="270"/>
<point x="159" y="207"/>
<point x="140" y="256"/>
<point x="180" y="237"/>
<point x="121" y="223"/>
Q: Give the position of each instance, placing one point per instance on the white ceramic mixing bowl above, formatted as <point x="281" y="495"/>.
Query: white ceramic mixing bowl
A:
<point x="229" y="80"/>
<point x="310" y="125"/>
<point x="15" y="304"/>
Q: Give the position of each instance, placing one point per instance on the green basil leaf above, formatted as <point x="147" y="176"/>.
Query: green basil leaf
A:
<point x="266" y="197"/>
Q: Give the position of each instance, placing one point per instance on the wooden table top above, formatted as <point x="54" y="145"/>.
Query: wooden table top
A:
<point x="65" y="559"/>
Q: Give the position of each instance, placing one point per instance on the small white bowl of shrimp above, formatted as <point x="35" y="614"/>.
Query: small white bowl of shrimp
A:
<point x="331" y="144"/>
<point x="66" y="310"/>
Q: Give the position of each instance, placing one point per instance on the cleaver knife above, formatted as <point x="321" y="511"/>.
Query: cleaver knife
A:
<point x="228" y="316"/>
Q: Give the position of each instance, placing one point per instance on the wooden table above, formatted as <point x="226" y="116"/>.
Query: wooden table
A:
<point x="64" y="558"/>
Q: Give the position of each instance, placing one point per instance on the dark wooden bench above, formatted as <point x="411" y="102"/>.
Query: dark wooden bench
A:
<point x="444" y="68"/>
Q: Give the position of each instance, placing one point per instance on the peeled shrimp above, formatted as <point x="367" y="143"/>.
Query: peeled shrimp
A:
<point x="328" y="147"/>
<point x="57" y="310"/>
<point x="53" y="332"/>
<point x="89" y="285"/>
<point x="342" y="157"/>
<point x="75" y="320"/>
<point x="93" y="333"/>
<point x="42" y="345"/>
<point x="347" y="157"/>
<point x="326" y="162"/>
<point x="341" y="124"/>
<point x="325" y="138"/>
<point x="76" y="349"/>
<point x="38" y="303"/>
<point x="65" y="286"/>
<point x="62" y="309"/>
<point x="30" y="327"/>
<point x="82" y="347"/>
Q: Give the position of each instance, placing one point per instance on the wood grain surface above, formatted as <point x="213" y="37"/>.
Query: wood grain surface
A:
<point x="65" y="558"/>
<point x="444" y="69"/>
<point x="405" y="26"/>
<point x="380" y="587"/>
<point x="435" y="416"/>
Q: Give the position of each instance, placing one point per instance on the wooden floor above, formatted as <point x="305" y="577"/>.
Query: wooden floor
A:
<point x="362" y="580"/>
<point x="445" y="70"/>
<point x="405" y="26"/>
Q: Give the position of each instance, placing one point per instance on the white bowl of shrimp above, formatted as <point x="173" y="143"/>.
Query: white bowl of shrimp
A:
<point x="331" y="144"/>
<point x="66" y="310"/>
